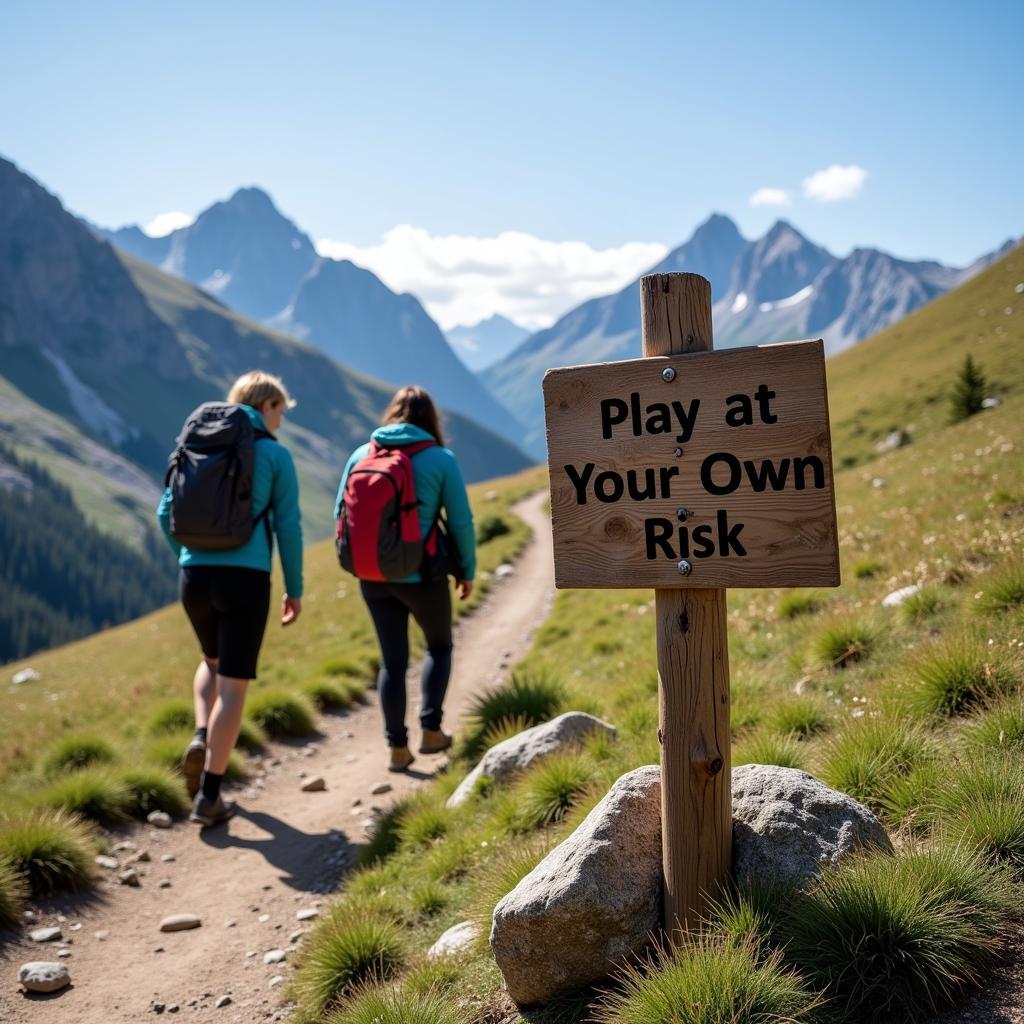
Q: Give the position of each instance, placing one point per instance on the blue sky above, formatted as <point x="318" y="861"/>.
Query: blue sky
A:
<point x="598" y="123"/>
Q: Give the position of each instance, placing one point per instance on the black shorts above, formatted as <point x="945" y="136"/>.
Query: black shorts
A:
<point x="228" y="608"/>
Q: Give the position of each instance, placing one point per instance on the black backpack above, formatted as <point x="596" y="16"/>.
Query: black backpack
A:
<point x="210" y="475"/>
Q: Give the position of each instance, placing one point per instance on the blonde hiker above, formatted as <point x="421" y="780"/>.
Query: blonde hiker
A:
<point x="404" y="526"/>
<point x="231" y="489"/>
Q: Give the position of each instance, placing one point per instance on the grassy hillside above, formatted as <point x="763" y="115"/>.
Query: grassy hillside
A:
<point x="901" y="377"/>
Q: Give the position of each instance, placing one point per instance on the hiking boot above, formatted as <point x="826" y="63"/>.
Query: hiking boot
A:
<point x="435" y="741"/>
<point x="192" y="763"/>
<point x="401" y="758"/>
<point x="211" y="812"/>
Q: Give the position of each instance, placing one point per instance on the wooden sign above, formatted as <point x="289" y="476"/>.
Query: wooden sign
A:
<point x="709" y="469"/>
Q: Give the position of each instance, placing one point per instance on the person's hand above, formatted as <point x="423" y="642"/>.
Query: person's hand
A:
<point x="291" y="609"/>
<point x="464" y="588"/>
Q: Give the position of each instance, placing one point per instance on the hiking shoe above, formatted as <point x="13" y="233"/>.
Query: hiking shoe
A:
<point x="211" y="812"/>
<point x="401" y="758"/>
<point x="435" y="741"/>
<point x="192" y="763"/>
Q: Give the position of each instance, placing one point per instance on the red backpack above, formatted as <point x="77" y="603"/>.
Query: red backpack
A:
<point x="378" y="535"/>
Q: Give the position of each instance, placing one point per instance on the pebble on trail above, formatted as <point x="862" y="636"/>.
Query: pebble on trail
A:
<point x="43" y="976"/>
<point x="314" y="784"/>
<point x="159" y="819"/>
<point x="45" y="934"/>
<point x="180" y="922"/>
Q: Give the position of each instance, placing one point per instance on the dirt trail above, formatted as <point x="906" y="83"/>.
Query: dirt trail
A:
<point x="284" y="852"/>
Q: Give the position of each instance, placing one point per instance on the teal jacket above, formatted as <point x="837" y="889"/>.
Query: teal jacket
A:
<point x="439" y="485"/>
<point x="275" y="485"/>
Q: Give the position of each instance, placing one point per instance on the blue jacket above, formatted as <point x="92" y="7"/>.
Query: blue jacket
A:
<point x="274" y="484"/>
<point x="439" y="484"/>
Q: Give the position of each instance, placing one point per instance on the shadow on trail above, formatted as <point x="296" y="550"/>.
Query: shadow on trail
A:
<point x="310" y="862"/>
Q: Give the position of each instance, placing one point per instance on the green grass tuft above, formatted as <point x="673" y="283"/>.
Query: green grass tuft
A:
<point x="955" y="677"/>
<point x="344" y="667"/>
<point x="896" y="938"/>
<point x="52" y="850"/>
<point x="421" y="825"/>
<point x="429" y="899"/>
<point x="379" y="1004"/>
<point x="921" y="605"/>
<point x="798" y="716"/>
<point x="490" y="527"/>
<point x="865" y="758"/>
<point x="770" y="748"/>
<point x="94" y="793"/>
<point x="550" y="789"/>
<point x="172" y="716"/>
<point x="152" y="789"/>
<point x="708" y="982"/>
<point x="845" y="642"/>
<point x="281" y="714"/>
<point x="334" y="694"/>
<point x="867" y="568"/>
<point x="13" y="892"/>
<point x="70" y="753"/>
<point x="795" y="603"/>
<point x="535" y="697"/>
<point x="344" y="951"/>
<point x="1002" y="591"/>
<point x="999" y="727"/>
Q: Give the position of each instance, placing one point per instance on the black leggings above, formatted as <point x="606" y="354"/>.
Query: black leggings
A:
<point x="431" y="607"/>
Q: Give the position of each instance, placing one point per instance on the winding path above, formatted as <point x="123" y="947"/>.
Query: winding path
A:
<point x="285" y="852"/>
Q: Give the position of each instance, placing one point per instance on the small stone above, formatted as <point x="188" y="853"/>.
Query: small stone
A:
<point x="276" y="980"/>
<point x="307" y="914"/>
<point x="314" y="784"/>
<point x="504" y="570"/>
<point x="142" y="857"/>
<point x="159" y="949"/>
<point x="77" y="926"/>
<point x="159" y="819"/>
<point x="43" y="976"/>
<point x="167" y="858"/>
<point x="180" y="922"/>
<point x="368" y="823"/>
<point x="380" y="789"/>
<point x="45" y="935"/>
<point x="274" y="956"/>
<point x="158" y="1007"/>
<point x="173" y="1008"/>
<point x="296" y="936"/>
<point x="101" y="936"/>
<point x="64" y="953"/>
<point x="29" y="916"/>
<point x="897" y="597"/>
<point x="222" y="1002"/>
<point x="126" y="845"/>
<point x="26" y="675"/>
<point x="250" y="954"/>
<point x="230" y="923"/>
<point x="263" y="918"/>
<point x="109" y="863"/>
<point x="164" y="883"/>
<point x="129" y="877"/>
<point x="266" y="888"/>
<point x="456" y="940"/>
<point x="358" y="802"/>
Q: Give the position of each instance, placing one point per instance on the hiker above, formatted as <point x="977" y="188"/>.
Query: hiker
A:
<point x="231" y="487"/>
<point x="392" y="502"/>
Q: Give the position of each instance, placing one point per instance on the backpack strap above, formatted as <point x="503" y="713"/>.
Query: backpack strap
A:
<point x="258" y="435"/>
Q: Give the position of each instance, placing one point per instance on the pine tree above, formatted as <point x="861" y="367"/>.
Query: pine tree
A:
<point x="968" y="393"/>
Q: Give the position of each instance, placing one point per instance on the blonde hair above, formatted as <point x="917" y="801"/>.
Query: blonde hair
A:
<point x="256" y="387"/>
<point x="414" y="405"/>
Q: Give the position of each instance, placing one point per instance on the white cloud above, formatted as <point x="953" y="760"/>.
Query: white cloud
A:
<point x="164" y="223"/>
<point x="771" y="197"/>
<point x="462" y="279"/>
<point x="835" y="182"/>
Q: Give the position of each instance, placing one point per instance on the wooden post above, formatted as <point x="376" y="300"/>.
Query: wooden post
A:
<point x="693" y="665"/>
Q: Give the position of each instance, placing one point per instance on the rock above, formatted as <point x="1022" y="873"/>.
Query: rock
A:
<point x="110" y="863"/>
<point x="263" y="918"/>
<point x="173" y="1008"/>
<point x="514" y="755"/>
<point x="230" y="923"/>
<point x="63" y="953"/>
<point x="454" y="941"/>
<point x="314" y="784"/>
<point x="142" y="857"/>
<point x="129" y="877"/>
<point x="102" y="935"/>
<point x="159" y="819"/>
<point x="307" y="914"/>
<point x="893" y="440"/>
<point x="505" y="570"/>
<point x="296" y="936"/>
<point x="26" y="675"/>
<point x="991" y="403"/>
<point x="43" y="976"/>
<point x="167" y="858"/>
<point x="787" y="825"/>
<point x="125" y="846"/>
<point x="276" y="980"/>
<point x="29" y="916"/>
<point x="164" y="883"/>
<point x="897" y="597"/>
<point x="380" y="789"/>
<point x="601" y="887"/>
<point x="222" y="1002"/>
<point x="45" y="934"/>
<point x="879" y="482"/>
<point x="274" y="956"/>
<point x="157" y="1007"/>
<point x="180" y="922"/>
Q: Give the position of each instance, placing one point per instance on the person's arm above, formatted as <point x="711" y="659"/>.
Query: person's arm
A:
<point x="352" y="460"/>
<point x="163" y="515"/>
<point x="288" y="522"/>
<point x="455" y="502"/>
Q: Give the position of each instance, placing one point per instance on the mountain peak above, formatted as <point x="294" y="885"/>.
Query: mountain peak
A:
<point x="251" y="198"/>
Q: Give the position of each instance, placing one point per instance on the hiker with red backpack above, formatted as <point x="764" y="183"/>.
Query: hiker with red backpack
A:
<point x="404" y="526"/>
<point x="231" y="489"/>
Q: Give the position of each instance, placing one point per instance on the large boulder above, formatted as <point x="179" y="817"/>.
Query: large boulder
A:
<point x="787" y="825"/>
<point x="514" y="755"/>
<point x="592" y="903"/>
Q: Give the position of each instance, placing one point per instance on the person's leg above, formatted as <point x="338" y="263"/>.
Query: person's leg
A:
<point x="431" y="607"/>
<point x="391" y="621"/>
<point x="204" y="692"/>
<point x="225" y="724"/>
<point x="195" y="591"/>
